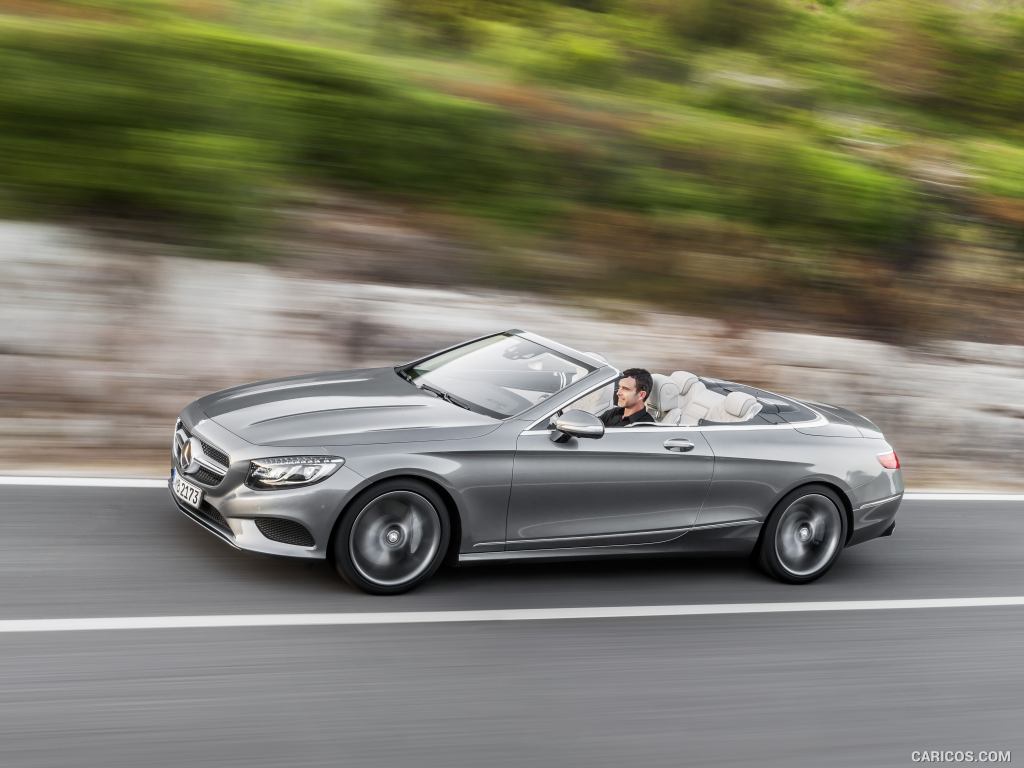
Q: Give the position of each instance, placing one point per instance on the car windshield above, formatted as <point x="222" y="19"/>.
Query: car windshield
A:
<point x="499" y="376"/>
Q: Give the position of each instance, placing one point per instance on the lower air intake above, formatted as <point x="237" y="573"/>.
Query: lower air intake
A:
<point x="285" y="531"/>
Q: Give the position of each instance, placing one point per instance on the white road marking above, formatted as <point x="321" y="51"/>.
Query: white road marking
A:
<point x="519" y="614"/>
<point x="84" y="482"/>
<point x="954" y="496"/>
<point x="147" y="482"/>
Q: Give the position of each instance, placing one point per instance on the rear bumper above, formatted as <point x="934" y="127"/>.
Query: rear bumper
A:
<point x="873" y="519"/>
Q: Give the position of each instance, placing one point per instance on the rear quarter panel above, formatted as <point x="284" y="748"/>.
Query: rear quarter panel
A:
<point x="754" y="468"/>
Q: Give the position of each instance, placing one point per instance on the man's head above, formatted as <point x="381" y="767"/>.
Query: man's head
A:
<point x="634" y="387"/>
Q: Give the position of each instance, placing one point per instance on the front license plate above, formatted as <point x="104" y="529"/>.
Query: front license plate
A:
<point x="187" y="492"/>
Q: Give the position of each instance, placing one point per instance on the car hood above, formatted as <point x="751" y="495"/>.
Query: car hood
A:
<point x="372" y="405"/>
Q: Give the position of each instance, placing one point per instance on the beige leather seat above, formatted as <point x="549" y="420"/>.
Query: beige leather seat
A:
<point x="702" y="401"/>
<point x="686" y="412"/>
<point x="664" y="397"/>
<point x="699" y="402"/>
<point x="685" y="380"/>
<point x="734" y="407"/>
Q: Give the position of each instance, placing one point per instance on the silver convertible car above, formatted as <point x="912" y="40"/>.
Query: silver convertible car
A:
<point x="493" y="450"/>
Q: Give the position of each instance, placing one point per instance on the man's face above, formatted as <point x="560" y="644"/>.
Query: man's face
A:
<point x="626" y="395"/>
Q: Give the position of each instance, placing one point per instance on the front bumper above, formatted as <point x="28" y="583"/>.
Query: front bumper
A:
<point x="254" y="520"/>
<point x="230" y="512"/>
<point x="202" y="518"/>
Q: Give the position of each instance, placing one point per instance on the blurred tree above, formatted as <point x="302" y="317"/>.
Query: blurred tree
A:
<point x="451" y="22"/>
<point x="717" y="22"/>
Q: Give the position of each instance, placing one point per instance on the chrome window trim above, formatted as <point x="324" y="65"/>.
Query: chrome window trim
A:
<point x="712" y="427"/>
<point x="818" y="420"/>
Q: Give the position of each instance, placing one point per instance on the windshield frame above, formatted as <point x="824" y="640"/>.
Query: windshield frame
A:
<point x="591" y="366"/>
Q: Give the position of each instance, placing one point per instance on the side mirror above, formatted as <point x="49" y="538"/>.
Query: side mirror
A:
<point x="576" y="424"/>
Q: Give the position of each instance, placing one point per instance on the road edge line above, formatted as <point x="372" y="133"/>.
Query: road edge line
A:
<point x="13" y="626"/>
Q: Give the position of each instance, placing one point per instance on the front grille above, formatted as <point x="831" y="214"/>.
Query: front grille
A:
<point x="205" y="476"/>
<point x="215" y="453"/>
<point x="285" y="531"/>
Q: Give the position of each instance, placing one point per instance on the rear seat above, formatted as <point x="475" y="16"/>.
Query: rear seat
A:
<point x="682" y="399"/>
<point x="686" y="381"/>
<point x="702" y="402"/>
<point x="736" y="406"/>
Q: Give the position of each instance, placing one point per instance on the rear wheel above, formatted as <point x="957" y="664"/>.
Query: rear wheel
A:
<point x="392" y="537"/>
<point x="804" y="535"/>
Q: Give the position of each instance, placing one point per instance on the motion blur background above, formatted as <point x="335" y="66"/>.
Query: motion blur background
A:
<point x="824" y="197"/>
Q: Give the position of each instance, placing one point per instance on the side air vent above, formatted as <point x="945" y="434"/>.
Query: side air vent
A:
<point x="214" y="516"/>
<point x="285" y="531"/>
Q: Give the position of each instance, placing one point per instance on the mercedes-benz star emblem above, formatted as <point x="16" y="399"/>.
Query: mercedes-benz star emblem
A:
<point x="186" y="458"/>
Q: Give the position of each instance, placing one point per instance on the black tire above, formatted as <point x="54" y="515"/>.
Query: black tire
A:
<point x="804" y="535"/>
<point x="392" y="537"/>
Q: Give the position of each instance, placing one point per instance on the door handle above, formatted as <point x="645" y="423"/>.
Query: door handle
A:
<point x="678" y="444"/>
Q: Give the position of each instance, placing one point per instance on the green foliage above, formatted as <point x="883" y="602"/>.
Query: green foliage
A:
<point x="936" y="57"/>
<point x="573" y="58"/>
<point x="672" y="129"/>
<point x="718" y="22"/>
<point x="198" y="123"/>
<point x="455" y="22"/>
<point x="999" y="168"/>
<point x="91" y="119"/>
<point x="779" y="179"/>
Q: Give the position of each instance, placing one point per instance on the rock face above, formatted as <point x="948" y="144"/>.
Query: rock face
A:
<point x="100" y="348"/>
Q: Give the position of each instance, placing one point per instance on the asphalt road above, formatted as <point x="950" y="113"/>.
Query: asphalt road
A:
<point x="793" y="689"/>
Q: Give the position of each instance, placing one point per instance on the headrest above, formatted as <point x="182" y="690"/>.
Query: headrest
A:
<point x="664" y="397"/>
<point x="739" y="404"/>
<point x="685" y="380"/>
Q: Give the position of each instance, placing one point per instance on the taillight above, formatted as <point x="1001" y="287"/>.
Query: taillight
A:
<point x="889" y="460"/>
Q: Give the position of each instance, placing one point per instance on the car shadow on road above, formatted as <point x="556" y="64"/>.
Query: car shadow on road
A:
<point x="602" y="575"/>
<point x="648" y="579"/>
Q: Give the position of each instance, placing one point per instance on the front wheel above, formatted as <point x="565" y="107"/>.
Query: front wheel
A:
<point x="392" y="537"/>
<point x="804" y="535"/>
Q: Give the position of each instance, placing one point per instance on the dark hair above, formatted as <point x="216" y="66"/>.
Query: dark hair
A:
<point x="644" y="380"/>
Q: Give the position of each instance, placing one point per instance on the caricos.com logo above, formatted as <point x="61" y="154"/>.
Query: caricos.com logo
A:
<point x="960" y="756"/>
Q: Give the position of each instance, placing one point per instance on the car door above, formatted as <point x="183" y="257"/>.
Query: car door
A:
<point x="633" y="485"/>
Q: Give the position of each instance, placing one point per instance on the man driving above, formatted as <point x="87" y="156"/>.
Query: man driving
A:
<point x="631" y="395"/>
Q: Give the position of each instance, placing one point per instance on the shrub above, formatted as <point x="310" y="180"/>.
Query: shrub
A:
<point x="718" y="22"/>
<point x="780" y="179"/>
<point x="99" y="118"/>
<point x="200" y="123"/>
<point x="579" y="59"/>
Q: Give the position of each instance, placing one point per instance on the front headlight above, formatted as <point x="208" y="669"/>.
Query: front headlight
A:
<point x="291" y="471"/>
